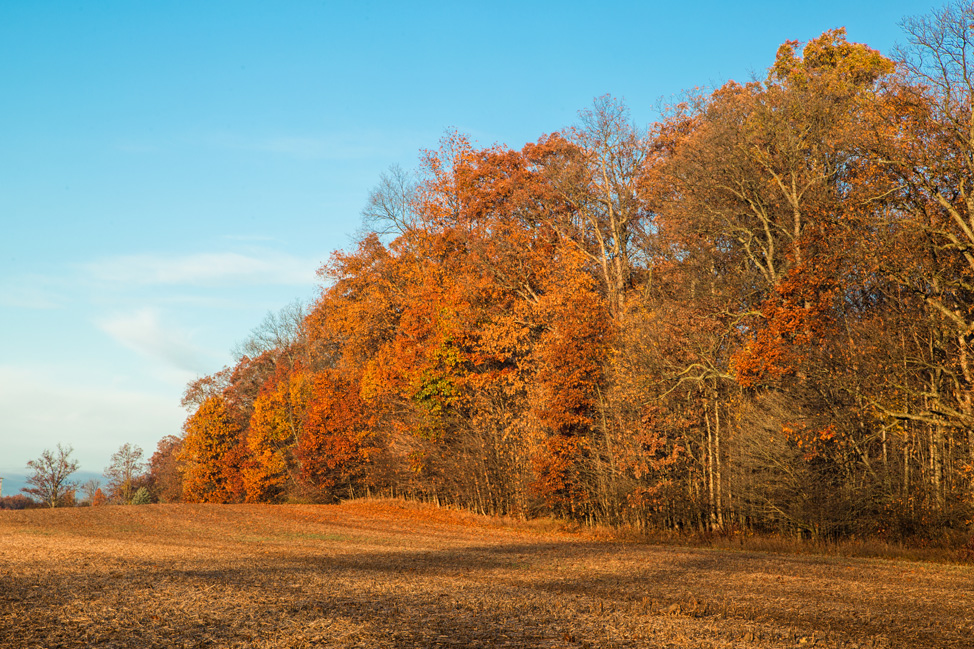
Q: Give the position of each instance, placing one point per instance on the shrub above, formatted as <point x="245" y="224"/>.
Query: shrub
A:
<point x="141" y="497"/>
<point x="17" y="501"/>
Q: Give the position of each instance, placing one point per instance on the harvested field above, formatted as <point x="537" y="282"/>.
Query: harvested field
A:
<point x="389" y="574"/>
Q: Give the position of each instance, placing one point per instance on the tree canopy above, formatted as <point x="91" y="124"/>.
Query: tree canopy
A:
<point x="758" y="312"/>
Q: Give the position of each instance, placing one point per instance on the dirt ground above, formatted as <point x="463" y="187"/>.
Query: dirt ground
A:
<point x="390" y="574"/>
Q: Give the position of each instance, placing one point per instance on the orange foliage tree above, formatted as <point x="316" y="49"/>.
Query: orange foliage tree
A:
<point x="211" y="465"/>
<point x="335" y="445"/>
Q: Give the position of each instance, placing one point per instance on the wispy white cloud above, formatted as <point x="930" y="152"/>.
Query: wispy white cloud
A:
<point x="144" y="332"/>
<point x="216" y="268"/>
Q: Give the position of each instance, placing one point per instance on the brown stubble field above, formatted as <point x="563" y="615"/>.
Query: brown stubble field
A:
<point x="391" y="574"/>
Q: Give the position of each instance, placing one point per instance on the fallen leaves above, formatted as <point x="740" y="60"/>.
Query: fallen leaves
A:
<point x="390" y="574"/>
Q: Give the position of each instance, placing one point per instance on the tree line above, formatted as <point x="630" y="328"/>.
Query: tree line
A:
<point x="755" y="314"/>
<point x="49" y="482"/>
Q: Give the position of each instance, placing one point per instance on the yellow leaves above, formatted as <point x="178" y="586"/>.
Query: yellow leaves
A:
<point x="832" y="59"/>
<point x="273" y="432"/>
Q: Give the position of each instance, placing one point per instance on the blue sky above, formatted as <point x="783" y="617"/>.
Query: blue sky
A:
<point x="170" y="172"/>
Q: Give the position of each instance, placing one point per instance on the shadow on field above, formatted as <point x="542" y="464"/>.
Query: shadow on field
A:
<point x="532" y="594"/>
<point x="493" y="591"/>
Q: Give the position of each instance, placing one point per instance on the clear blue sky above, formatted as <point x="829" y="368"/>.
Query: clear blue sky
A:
<point x="169" y="172"/>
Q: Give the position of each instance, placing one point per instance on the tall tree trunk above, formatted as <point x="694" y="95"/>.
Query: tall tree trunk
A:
<point x="720" y="503"/>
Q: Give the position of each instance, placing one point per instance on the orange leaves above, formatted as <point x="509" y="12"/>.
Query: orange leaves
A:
<point x="799" y="313"/>
<point x="814" y="441"/>
<point x="567" y="362"/>
<point x="830" y="55"/>
<point x="720" y="318"/>
<point x="558" y="468"/>
<point x="275" y="426"/>
<point x="569" y="355"/>
<point x="334" y="446"/>
<point x="211" y="436"/>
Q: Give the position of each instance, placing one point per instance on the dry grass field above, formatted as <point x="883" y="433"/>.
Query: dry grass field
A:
<point x="391" y="574"/>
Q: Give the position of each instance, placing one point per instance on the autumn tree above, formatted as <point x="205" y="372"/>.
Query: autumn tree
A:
<point x="17" y="501"/>
<point x="275" y="427"/>
<point x="49" y="477"/>
<point x="166" y="471"/>
<point x="211" y="466"/>
<point x="762" y="196"/>
<point x="569" y="358"/>
<point x="924" y="143"/>
<point x="412" y="318"/>
<point x="335" y="445"/>
<point x="89" y="488"/>
<point x="595" y="170"/>
<point x="280" y="334"/>
<point x="99" y="498"/>
<point x="125" y="473"/>
<point x="391" y="207"/>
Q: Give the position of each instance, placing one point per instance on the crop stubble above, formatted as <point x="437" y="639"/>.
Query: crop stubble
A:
<point x="390" y="574"/>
